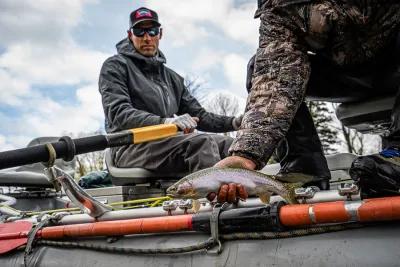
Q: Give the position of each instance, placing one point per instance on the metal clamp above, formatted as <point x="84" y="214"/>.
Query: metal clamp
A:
<point x="303" y="194"/>
<point x="348" y="189"/>
<point x="51" y="175"/>
<point x="185" y="205"/>
<point x="169" y="206"/>
<point x="214" y="227"/>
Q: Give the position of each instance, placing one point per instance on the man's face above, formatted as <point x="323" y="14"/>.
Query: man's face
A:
<point x="146" y="45"/>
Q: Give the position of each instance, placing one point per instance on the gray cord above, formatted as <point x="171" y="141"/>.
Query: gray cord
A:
<point x="103" y="248"/>
<point x="205" y="245"/>
<point x="291" y="233"/>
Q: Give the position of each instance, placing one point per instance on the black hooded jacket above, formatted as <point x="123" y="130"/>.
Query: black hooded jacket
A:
<point x="140" y="91"/>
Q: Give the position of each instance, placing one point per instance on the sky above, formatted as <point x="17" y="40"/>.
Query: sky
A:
<point x="51" y="53"/>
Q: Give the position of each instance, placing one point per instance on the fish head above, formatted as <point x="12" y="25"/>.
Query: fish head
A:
<point x="182" y="189"/>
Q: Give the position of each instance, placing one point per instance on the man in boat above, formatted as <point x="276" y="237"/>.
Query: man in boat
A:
<point x="305" y="46"/>
<point x="138" y="90"/>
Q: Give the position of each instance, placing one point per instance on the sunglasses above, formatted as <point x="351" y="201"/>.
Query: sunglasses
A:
<point x="139" y="32"/>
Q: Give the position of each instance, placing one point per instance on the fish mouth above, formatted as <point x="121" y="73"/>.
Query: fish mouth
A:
<point x="189" y="194"/>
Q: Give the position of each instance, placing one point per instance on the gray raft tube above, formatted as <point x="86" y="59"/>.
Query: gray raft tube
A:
<point x="6" y="203"/>
<point x="321" y="196"/>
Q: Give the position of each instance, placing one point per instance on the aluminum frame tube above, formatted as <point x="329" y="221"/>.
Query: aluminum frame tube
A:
<point x="321" y="196"/>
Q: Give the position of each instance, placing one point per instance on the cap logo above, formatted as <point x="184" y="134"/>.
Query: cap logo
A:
<point x="143" y="14"/>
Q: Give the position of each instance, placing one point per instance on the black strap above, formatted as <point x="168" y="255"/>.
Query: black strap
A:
<point x="214" y="227"/>
<point x="32" y="237"/>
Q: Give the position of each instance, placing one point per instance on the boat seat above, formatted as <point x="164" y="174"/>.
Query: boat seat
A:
<point x="369" y="116"/>
<point x="339" y="165"/>
<point x="132" y="176"/>
<point x="32" y="175"/>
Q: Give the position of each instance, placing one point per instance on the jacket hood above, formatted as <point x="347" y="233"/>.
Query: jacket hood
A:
<point x="125" y="47"/>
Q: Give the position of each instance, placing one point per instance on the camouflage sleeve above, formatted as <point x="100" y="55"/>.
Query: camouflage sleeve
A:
<point x="281" y="73"/>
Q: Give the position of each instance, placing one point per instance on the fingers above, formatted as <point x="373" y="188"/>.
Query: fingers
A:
<point x="189" y="122"/>
<point x="241" y="192"/>
<point x="192" y="121"/>
<point x="229" y="193"/>
<point x="185" y="121"/>
<point x="211" y="196"/>
<point x="231" y="197"/>
<point x="223" y="193"/>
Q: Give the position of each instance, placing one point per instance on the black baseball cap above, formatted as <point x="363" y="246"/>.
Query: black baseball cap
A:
<point x="143" y="14"/>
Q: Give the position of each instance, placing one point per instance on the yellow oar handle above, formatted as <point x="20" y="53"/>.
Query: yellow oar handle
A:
<point x="154" y="132"/>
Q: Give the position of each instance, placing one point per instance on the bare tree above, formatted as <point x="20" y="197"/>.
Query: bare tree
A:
<point x="89" y="162"/>
<point x="323" y="122"/>
<point x="354" y="141"/>
<point x="224" y="104"/>
<point x="195" y="88"/>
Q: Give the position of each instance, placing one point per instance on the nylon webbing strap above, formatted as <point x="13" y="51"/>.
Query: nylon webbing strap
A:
<point x="214" y="227"/>
<point x="32" y="237"/>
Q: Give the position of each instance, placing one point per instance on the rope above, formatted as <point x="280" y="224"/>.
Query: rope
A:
<point x="121" y="203"/>
<point x="52" y="155"/>
<point x="205" y="245"/>
<point x="292" y="233"/>
<point x="104" y="248"/>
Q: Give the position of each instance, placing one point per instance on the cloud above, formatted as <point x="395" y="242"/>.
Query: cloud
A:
<point x="39" y="51"/>
<point x="207" y="59"/>
<point x="235" y="69"/>
<point x="12" y="89"/>
<point x="62" y="63"/>
<point x="4" y="145"/>
<point x="38" y="21"/>
<point x="47" y="117"/>
<point x="190" y="20"/>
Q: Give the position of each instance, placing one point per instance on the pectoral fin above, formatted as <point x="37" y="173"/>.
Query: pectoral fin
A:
<point x="196" y="205"/>
<point x="265" y="197"/>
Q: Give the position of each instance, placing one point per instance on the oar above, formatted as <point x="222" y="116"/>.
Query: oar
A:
<point x="67" y="148"/>
<point x="15" y="234"/>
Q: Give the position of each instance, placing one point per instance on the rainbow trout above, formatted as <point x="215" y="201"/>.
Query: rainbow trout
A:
<point x="199" y="184"/>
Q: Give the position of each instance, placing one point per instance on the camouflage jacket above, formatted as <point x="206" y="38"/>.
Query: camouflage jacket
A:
<point x="348" y="32"/>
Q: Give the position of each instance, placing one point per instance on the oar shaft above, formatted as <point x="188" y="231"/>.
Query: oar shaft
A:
<point x="40" y="153"/>
<point x="83" y="145"/>
<point x="119" y="228"/>
<point x="7" y="236"/>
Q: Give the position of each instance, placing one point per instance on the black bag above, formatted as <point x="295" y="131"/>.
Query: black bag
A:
<point x="376" y="175"/>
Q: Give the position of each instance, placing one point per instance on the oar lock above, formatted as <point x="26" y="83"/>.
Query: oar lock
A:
<point x="302" y="194"/>
<point x="348" y="189"/>
<point x="171" y="205"/>
<point x="344" y="189"/>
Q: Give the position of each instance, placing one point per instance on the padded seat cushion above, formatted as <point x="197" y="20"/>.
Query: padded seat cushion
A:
<point x="370" y="116"/>
<point x="126" y="176"/>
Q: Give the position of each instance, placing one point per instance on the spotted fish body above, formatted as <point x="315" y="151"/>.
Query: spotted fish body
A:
<point x="199" y="184"/>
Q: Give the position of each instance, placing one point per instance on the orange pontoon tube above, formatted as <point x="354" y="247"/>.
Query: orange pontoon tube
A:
<point x="369" y="210"/>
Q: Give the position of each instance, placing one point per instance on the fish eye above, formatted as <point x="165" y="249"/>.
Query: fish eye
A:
<point x="171" y="188"/>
